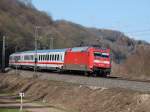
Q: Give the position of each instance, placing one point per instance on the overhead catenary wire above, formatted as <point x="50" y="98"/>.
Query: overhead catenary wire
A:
<point x="138" y="31"/>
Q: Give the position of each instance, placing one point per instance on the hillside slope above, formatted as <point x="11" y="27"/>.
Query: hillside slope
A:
<point x="18" y="21"/>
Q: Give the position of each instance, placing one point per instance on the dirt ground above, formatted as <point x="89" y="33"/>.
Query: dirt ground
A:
<point x="76" y="98"/>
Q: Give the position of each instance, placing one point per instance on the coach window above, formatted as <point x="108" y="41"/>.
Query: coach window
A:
<point x="47" y="57"/>
<point x="44" y="57"/>
<point x="61" y="57"/>
<point x="58" y="57"/>
<point x="41" y="57"/>
<point x="52" y="57"/>
<point x="55" y="57"/>
<point x="30" y="57"/>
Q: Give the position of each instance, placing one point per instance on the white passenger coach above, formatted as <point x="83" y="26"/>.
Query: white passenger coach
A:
<point x="44" y="59"/>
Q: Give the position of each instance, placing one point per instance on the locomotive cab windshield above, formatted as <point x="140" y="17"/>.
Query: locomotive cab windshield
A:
<point x="101" y="55"/>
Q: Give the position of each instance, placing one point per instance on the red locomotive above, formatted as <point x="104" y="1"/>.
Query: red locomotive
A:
<point x="91" y="60"/>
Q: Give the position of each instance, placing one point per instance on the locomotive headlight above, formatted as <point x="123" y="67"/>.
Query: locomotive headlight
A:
<point x="99" y="61"/>
<point x="106" y="62"/>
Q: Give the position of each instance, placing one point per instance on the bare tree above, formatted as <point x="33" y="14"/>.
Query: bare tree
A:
<point x="27" y="2"/>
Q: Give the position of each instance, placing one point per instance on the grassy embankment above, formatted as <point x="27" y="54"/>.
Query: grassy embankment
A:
<point x="10" y="110"/>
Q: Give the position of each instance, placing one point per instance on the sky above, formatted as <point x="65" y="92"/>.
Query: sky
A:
<point x="132" y="17"/>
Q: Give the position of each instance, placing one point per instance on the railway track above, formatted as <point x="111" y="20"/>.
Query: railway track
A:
<point x="110" y="82"/>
